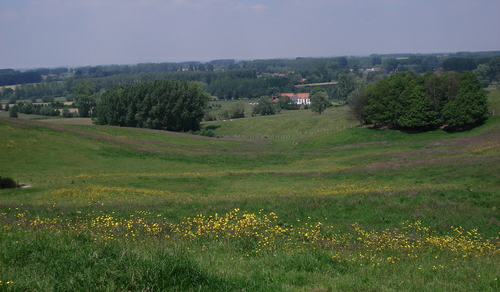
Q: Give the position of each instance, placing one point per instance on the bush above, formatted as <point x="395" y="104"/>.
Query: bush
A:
<point x="13" y="112"/>
<point x="7" y="183"/>
<point x="237" y="111"/>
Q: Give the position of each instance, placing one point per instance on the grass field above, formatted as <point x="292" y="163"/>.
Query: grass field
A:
<point x="340" y="209"/>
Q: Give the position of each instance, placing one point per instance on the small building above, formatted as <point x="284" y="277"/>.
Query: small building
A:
<point x="298" y="98"/>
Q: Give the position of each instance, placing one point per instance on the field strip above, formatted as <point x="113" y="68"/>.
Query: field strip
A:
<point x="208" y="174"/>
<point x="103" y="195"/>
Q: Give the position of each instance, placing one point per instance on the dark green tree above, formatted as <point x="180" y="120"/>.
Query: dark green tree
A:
<point x="469" y="107"/>
<point x="319" y="101"/>
<point x="85" y="98"/>
<point x="417" y="111"/>
<point x="13" y="112"/>
<point x="360" y="99"/>
<point x="265" y="106"/>
<point x="346" y="85"/>
<point x="237" y="111"/>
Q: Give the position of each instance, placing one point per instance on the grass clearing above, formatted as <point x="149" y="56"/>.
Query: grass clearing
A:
<point x="114" y="209"/>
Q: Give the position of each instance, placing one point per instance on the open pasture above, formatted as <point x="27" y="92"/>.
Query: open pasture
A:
<point x="354" y="209"/>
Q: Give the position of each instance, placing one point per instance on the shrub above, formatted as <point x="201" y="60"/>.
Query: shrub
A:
<point x="13" y="112"/>
<point x="7" y="183"/>
<point x="237" y="111"/>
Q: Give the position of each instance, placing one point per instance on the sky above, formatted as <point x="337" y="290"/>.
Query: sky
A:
<point x="51" y="33"/>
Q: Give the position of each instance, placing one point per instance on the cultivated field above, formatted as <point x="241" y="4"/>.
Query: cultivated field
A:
<point x="310" y="205"/>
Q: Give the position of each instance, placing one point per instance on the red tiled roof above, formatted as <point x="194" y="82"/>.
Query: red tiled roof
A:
<point x="299" y="95"/>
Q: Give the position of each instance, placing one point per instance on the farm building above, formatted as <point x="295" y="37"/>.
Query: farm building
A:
<point x="298" y="98"/>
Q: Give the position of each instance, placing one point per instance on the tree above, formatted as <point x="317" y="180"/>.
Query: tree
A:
<point x="469" y="107"/>
<point x="347" y="84"/>
<point x="237" y="111"/>
<point x="418" y="111"/>
<point x="85" y="99"/>
<point x="13" y="112"/>
<point x="286" y="103"/>
<point x="1" y="106"/>
<point x="359" y="100"/>
<point x="319" y="101"/>
<point x="265" y="106"/>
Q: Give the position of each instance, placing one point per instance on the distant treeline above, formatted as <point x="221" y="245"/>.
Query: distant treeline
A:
<point x="231" y="79"/>
<point x="11" y="77"/>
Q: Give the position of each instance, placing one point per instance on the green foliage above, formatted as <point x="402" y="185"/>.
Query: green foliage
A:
<point x="410" y="102"/>
<point x="418" y="111"/>
<point x="470" y="107"/>
<point x="237" y="111"/>
<point x="459" y="64"/>
<point x="287" y="104"/>
<point x="265" y="106"/>
<point x="38" y="109"/>
<point x="85" y="99"/>
<point x="358" y="101"/>
<point x="173" y="105"/>
<point x="319" y="101"/>
<point x="13" y="112"/>
<point x="347" y="84"/>
<point x="8" y="183"/>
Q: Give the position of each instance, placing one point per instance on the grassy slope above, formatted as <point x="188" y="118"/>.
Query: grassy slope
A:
<point x="376" y="178"/>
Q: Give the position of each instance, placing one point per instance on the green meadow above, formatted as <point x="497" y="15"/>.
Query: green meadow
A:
<point x="291" y="202"/>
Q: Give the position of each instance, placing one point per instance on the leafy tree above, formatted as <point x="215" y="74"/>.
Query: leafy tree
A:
<point x="418" y="111"/>
<point x="469" y="107"/>
<point x="85" y="99"/>
<point x="7" y="92"/>
<point x="385" y="104"/>
<point x="1" y="106"/>
<point x="238" y="111"/>
<point x="7" y="107"/>
<point x="265" y="106"/>
<point x="319" y="101"/>
<point x="13" y="112"/>
<point x="346" y="85"/>
<point x="359" y="100"/>
<point x="286" y="103"/>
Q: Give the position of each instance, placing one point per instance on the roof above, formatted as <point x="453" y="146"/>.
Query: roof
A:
<point x="298" y="95"/>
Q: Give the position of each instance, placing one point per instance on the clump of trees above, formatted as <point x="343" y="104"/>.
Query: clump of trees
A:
<point x="409" y="101"/>
<point x="173" y="105"/>
<point x="38" y="109"/>
<point x="266" y="106"/>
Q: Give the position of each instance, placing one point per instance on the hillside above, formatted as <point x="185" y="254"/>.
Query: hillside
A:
<point x="308" y="205"/>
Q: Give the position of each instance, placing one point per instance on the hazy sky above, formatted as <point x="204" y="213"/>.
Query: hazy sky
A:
<point x="48" y="33"/>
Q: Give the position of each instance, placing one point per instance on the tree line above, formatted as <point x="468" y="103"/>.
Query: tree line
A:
<point x="228" y="79"/>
